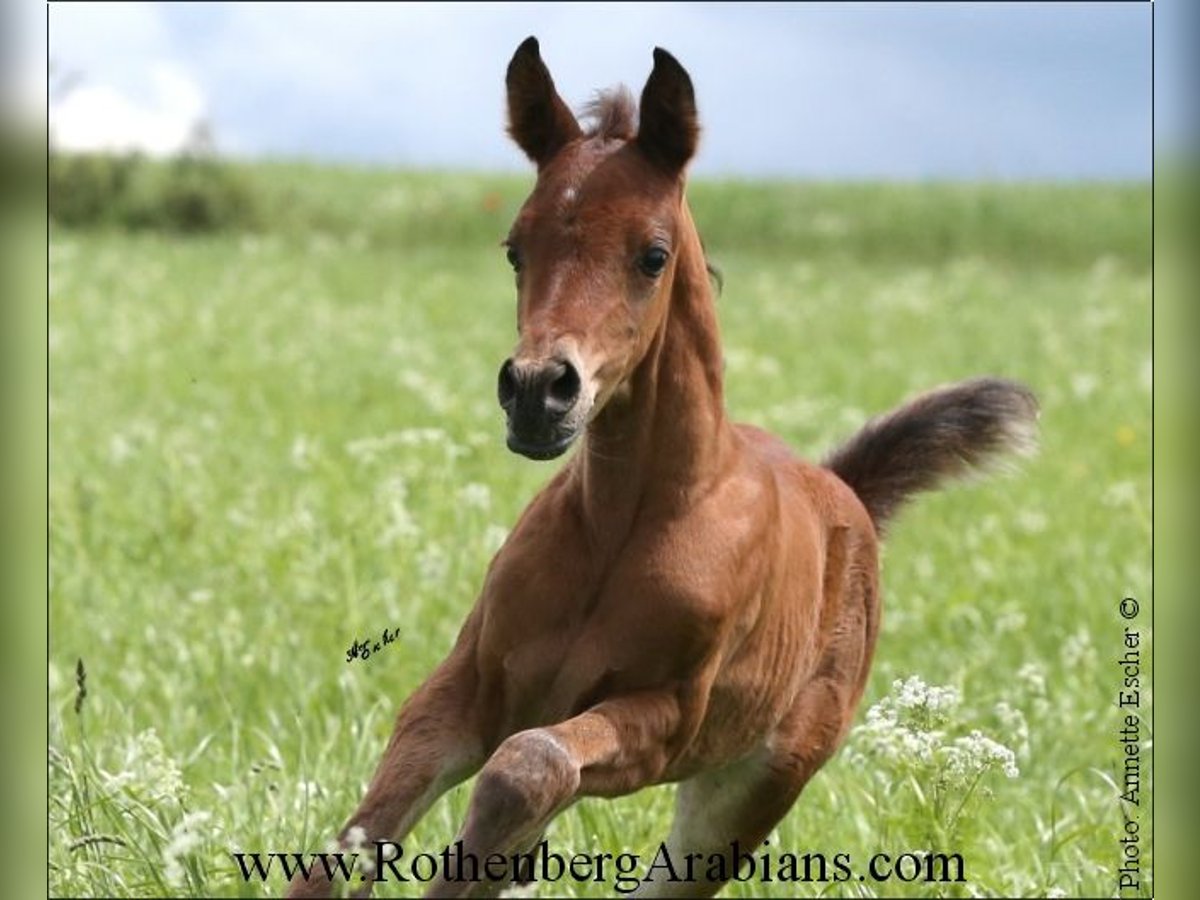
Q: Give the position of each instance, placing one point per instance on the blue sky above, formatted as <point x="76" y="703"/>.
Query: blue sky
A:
<point x="901" y="90"/>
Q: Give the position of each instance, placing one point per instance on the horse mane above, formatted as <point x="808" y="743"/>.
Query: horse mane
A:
<point x="611" y="115"/>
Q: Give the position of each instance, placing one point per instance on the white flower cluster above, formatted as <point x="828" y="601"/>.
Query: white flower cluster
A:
<point x="903" y="726"/>
<point x="369" y="450"/>
<point x="882" y="735"/>
<point x="975" y="753"/>
<point x="304" y="452"/>
<point x="1078" y="651"/>
<point x="1120" y="493"/>
<point x="186" y="837"/>
<point x="1014" y="724"/>
<point x="907" y="729"/>
<point x="475" y="495"/>
<point x="494" y="537"/>
<point x="392" y="494"/>
<point x="147" y="770"/>
<point x="1032" y="678"/>
<point x="915" y="696"/>
<point x="433" y="564"/>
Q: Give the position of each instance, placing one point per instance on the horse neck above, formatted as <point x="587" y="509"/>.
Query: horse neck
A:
<point x="664" y="439"/>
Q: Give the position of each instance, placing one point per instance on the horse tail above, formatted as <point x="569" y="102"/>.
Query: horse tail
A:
<point x="945" y="433"/>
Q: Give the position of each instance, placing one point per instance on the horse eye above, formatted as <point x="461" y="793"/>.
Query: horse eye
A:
<point x="514" y="258"/>
<point x="653" y="261"/>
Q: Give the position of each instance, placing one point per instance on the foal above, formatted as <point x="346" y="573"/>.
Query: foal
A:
<point x="685" y="601"/>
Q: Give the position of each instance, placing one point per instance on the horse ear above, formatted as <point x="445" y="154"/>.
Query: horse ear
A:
<point x="538" y="120"/>
<point x="668" y="128"/>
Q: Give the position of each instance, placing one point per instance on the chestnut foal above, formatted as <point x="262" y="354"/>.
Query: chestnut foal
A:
<point x="685" y="601"/>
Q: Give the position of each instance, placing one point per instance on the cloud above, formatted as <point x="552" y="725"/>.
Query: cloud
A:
<point x="100" y="117"/>
<point x="117" y="82"/>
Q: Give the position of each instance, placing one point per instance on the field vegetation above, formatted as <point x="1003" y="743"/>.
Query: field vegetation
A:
<point x="274" y="433"/>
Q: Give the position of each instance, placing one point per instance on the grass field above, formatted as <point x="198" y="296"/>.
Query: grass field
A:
<point x="267" y="445"/>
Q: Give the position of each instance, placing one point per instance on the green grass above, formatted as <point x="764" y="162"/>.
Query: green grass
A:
<point x="266" y="445"/>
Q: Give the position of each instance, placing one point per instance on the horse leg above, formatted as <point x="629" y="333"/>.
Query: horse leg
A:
<point x="432" y="748"/>
<point x="614" y="748"/>
<point x="744" y="800"/>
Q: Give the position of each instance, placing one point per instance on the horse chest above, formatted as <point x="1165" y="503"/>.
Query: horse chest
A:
<point x="559" y="638"/>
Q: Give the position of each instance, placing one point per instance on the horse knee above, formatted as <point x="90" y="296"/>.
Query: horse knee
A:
<point x="529" y="777"/>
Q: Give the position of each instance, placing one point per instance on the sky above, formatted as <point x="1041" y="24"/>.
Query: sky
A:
<point x="898" y="90"/>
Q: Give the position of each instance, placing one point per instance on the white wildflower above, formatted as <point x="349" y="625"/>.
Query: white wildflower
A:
<point x="432" y="563"/>
<point x="432" y="393"/>
<point x="924" y="567"/>
<point x="975" y="754"/>
<point x="370" y="449"/>
<point x="389" y="592"/>
<point x="1120" y="493"/>
<point x="910" y="730"/>
<point x="301" y="521"/>
<point x="494" y="537"/>
<point x="356" y="838"/>
<point x="414" y="437"/>
<point x="900" y="727"/>
<point x="475" y="495"/>
<point x="119" y="448"/>
<point x="1033" y="677"/>
<point x="1011" y="618"/>
<point x="393" y="494"/>
<point x="185" y="838"/>
<point x="147" y="769"/>
<point x="1031" y="521"/>
<point x="133" y="679"/>
<point x="914" y="694"/>
<point x="1084" y="384"/>
<point x="303" y="452"/>
<point x="983" y="568"/>
<point x="1015" y="726"/>
<point x="1078" y="650"/>
<point x="852" y="415"/>
<point x="306" y="792"/>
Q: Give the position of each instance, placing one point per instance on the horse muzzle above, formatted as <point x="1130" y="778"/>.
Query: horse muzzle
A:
<point x="545" y="404"/>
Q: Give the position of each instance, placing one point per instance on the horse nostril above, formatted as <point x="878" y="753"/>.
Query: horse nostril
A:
<point x="563" y="391"/>
<point x="506" y="385"/>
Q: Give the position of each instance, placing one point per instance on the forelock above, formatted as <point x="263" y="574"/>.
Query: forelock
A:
<point x="611" y="115"/>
